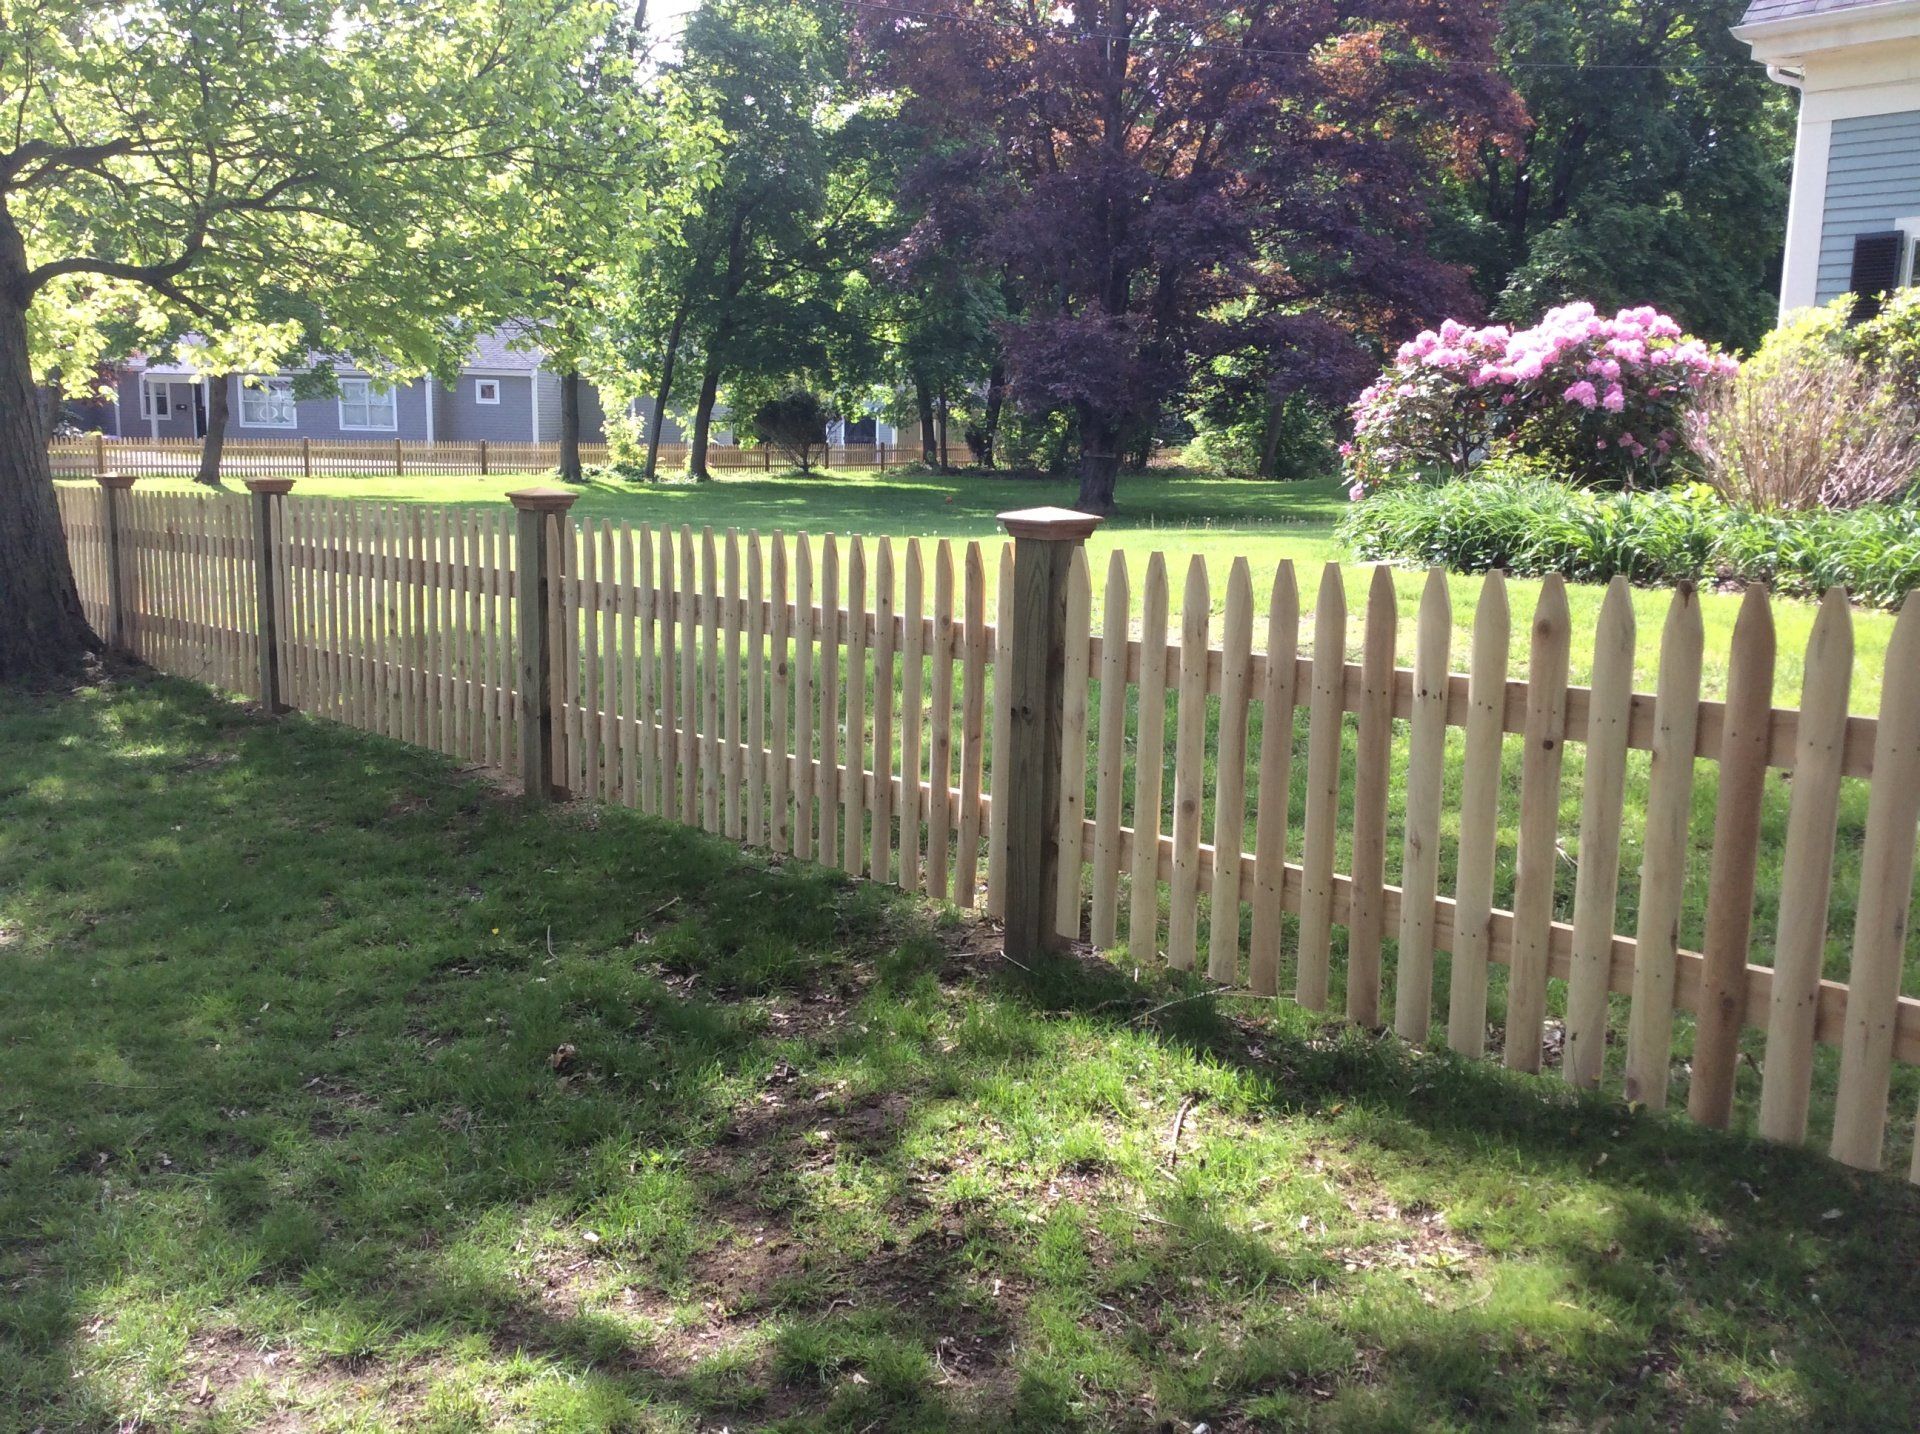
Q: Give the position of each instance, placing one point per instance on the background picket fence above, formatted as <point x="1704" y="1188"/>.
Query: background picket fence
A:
<point x="88" y="455"/>
<point x="835" y="698"/>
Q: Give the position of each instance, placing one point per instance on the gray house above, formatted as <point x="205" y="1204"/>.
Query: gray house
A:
<point x="1854" y="222"/>
<point x="504" y="393"/>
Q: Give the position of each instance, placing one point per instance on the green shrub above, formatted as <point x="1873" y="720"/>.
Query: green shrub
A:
<point x="1530" y="526"/>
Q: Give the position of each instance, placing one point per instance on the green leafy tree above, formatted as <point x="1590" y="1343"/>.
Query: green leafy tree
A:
<point x="1652" y="168"/>
<point x="767" y="270"/>
<point x="188" y="161"/>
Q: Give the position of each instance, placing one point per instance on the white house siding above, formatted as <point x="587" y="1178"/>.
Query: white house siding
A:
<point x="1873" y="181"/>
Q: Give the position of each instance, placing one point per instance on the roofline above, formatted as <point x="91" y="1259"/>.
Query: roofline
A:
<point x="1795" y="35"/>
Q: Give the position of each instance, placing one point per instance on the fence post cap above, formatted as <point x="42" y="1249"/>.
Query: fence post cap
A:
<point x="269" y="485"/>
<point x="121" y="481"/>
<point x="1053" y="525"/>
<point x="542" y="500"/>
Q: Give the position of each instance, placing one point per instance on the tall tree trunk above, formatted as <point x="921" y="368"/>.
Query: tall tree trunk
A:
<point x="219" y="402"/>
<point x="1099" y="462"/>
<point x="667" y="366"/>
<point x="996" y="398"/>
<point x="1270" y="448"/>
<point x="570" y="469"/>
<point x="43" y="630"/>
<point x="945" y="462"/>
<point x="923" y="400"/>
<point x="703" y="418"/>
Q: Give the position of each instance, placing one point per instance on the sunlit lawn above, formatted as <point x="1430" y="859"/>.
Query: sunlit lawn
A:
<point x="339" y="1092"/>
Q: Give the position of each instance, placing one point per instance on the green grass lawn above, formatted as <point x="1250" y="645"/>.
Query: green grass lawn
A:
<point x="1176" y="512"/>
<point x="336" y="1091"/>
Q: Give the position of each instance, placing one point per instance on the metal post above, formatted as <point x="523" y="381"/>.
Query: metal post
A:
<point x="1044" y="540"/>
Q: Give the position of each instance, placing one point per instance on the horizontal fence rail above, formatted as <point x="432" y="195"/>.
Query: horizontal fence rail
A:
<point x="89" y="455"/>
<point x="1234" y="792"/>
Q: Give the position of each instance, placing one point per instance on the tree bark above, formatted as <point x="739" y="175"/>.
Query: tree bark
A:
<point x="570" y="469"/>
<point x="1270" y="447"/>
<point x="945" y="462"/>
<point x="219" y="404"/>
<point x="923" y="399"/>
<point x="43" y="630"/>
<point x="703" y="418"/>
<point x="1099" y="463"/>
<point x="996" y="398"/>
<point x="667" y="366"/>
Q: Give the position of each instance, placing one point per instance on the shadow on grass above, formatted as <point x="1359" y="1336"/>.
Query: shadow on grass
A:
<point x="316" y="1049"/>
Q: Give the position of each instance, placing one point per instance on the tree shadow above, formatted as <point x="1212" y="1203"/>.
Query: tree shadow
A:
<point x="329" y="1050"/>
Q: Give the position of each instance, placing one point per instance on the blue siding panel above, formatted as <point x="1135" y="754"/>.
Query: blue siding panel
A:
<point x="1873" y="179"/>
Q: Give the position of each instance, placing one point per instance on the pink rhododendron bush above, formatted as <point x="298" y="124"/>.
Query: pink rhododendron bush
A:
<point x="1602" y="400"/>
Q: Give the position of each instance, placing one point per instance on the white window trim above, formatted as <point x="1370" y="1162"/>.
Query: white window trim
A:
<point x="147" y="409"/>
<point x="480" y="391"/>
<point x="266" y="381"/>
<point x="1910" y="261"/>
<point x="345" y="427"/>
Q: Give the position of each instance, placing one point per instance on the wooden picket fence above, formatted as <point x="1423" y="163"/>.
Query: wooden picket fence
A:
<point x="88" y="455"/>
<point x="835" y="698"/>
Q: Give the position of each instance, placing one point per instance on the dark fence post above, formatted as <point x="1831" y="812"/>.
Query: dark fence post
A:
<point x="539" y="511"/>
<point x="1044" y="540"/>
<point x="112" y="485"/>
<point x="267" y="493"/>
<point x="306" y="458"/>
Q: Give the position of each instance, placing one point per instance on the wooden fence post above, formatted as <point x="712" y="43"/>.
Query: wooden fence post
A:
<point x="267" y="493"/>
<point x="112" y="485"/>
<point x="483" y="458"/>
<point x="537" y="509"/>
<point x="100" y="455"/>
<point x="306" y="458"/>
<point x="399" y="465"/>
<point x="1044" y="540"/>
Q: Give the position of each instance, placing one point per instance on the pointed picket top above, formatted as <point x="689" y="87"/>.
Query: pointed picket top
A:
<point x="1886" y="895"/>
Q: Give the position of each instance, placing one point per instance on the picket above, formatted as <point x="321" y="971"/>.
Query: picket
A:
<point x="1886" y="896"/>
<point x="1313" y="979"/>
<point x="852" y="778"/>
<point x="940" y="727"/>
<point x="1537" y="858"/>
<point x="973" y="726"/>
<point x="1721" y="1011"/>
<point x="1420" y="846"/>
<point x="1801" y="939"/>
<point x="1278" y="694"/>
<point x="1373" y="751"/>
<point x="1597" y="888"/>
<point x="1479" y="809"/>
<point x="1230" y="795"/>
<point x="1073" y="747"/>
<point x="1189" y="768"/>
<point x="1001" y="735"/>
<point x="1143" y="920"/>
<point x="1110" y="768"/>
<point x="1663" y="869"/>
<point x="885" y="640"/>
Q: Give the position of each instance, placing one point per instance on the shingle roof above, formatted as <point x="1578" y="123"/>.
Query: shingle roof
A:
<point x="509" y="348"/>
<point x="1761" y="12"/>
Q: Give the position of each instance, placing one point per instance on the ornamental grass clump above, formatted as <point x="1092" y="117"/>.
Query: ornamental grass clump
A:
<point x="1602" y="399"/>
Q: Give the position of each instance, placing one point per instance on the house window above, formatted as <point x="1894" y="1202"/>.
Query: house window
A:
<point x="267" y="403"/>
<point x="153" y="399"/>
<point x="364" y="406"/>
<point x="486" y="390"/>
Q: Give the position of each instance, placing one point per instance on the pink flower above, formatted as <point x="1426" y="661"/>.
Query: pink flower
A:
<point x="1581" y="393"/>
<point x="1346" y="450"/>
<point x="1356" y="492"/>
<point x="1615" y="401"/>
